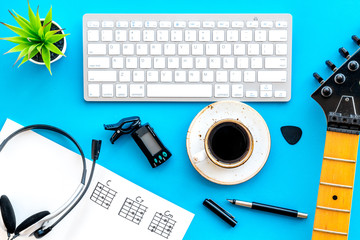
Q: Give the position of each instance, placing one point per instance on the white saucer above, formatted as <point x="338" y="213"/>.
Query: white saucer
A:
<point x="228" y="110"/>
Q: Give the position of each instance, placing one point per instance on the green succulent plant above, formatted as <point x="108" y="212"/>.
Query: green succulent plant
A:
<point x="34" y="36"/>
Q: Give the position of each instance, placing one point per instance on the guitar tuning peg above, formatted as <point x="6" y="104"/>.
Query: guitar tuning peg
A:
<point x="356" y="39"/>
<point x="318" y="78"/>
<point x="331" y="65"/>
<point x="343" y="52"/>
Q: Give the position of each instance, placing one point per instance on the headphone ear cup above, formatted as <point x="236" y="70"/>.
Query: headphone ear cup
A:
<point x="30" y="221"/>
<point x="7" y="214"/>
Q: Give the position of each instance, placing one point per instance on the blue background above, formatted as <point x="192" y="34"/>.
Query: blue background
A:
<point x="290" y="178"/>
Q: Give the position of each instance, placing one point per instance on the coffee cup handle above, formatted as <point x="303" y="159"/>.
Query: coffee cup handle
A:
<point x="200" y="156"/>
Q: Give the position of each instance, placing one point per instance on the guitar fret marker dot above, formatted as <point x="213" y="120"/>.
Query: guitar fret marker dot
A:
<point x="334" y="197"/>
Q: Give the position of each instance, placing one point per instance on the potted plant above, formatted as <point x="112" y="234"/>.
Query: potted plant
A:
<point x="42" y="41"/>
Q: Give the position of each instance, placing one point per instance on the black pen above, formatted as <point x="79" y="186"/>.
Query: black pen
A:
<point x="269" y="208"/>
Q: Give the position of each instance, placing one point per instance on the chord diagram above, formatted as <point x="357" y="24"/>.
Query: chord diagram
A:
<point x="132" y="211"/>
<point x="103" y="195"/>
<point x="162" y="225"/>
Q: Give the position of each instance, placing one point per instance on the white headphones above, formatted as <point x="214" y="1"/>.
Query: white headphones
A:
<point x="38" y="224"/>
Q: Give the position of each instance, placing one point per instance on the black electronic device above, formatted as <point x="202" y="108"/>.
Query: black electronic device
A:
<point x="151" y="145"/>
<point x="144" y="136"/>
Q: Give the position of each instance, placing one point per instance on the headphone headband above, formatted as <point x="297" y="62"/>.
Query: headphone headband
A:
<point x="74" y="199"/>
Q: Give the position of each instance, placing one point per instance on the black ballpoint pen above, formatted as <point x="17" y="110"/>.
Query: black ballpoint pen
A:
<point x="269" y="208"/>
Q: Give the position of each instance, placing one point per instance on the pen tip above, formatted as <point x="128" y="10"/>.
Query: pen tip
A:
<point x="230" y="200"/>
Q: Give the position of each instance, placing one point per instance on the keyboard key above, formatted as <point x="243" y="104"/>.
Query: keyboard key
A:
<point x="102" y="76"/>
<point x="280" y="94"/>
<point x="93" y="24"/>
<point x="138" y="76"/>
<point x="152" y="76"/>
<point x="137" y="90"/>
<point x="266" y="94"/>
<point x="249" y="76"/>
<point x="190" y="35"/>
<point x="239" y="49"/>
<point x="215" y="62"/>
<point x="204" y="35"/>
<point x="145" y="62"/>
<point x="208" y="24"/>
<point x="162" y="35"/>
<point x="169" y="49"/>
<point x="267" y="24"/>
<point x="228" y="62"/>
<point x="237" y="90"/>
<point x="120" y="35"/>
<point x="251" y="94"/>
<point x="136" y="24"/>
<point x="278" y="35"/>
<point x="260" y="35"/>
<point x="165" y="24"/>
<point x="246" y="35"/>
<point x="225" y="49"/>
<point x="183" y="49"/>
<point x="197" y="49"/>
<point x="223" y="24"/>
<point x="232" y="35"/>
<point x="253" y="49"/>
<point x="173" y="62"/>
<point x="222" y="90"/>
<point x="235" y="76"/>
<point x="211" y="49"/>
<point x="107" y="24"/>
<point x="98" y="62"/>
<point x="141" y="49"/>
<point x="281" y="24"/>
<point x="134" y="35"/>
<point x="96" y="49"/>
<point x="272" y="76"/>
<point x="117" y="62"/>
<point x="155" y="49"/>
<point x="187" y="62"/>
<point x="252" y="24"/>
<point x="281" y="49"/>
<point x="122" y="24"/>
<point x="149" y="35"/>
<point x="179" y="24"/>
<point x="194" y="76"/>
<point x="201" y="62"/>
<point x="124" y="76"/>
<point x="194" y="24"/>
<point x="107" y="90"/>
<point x="159" y="62"/>
<point x="267" y="49"/>
<point x="94" y="90"/>
<point x="106" y="35"/>
<point x="179" y="90"/>
<point x="166" y="76"/>
<point x="151" y="24"/>
<point x="242" y="62"/>
<point x="221" y="76"/>
<point x="176" y="35"/>
<point x="256" y="62"/>
<point x="265" y="87"/>
<point x="93" y="35"/>
<point x="275" y="62"/>
<point x="208" y="76"/>
<point x="237" y="24"/>
<point x="121" y="90"/>
<point x="180" y="76"/>
<point x="131" y="62"/>
<point x="114" y="49"/>
<point x="128" y="49"/>
<point x="218" y="35"/>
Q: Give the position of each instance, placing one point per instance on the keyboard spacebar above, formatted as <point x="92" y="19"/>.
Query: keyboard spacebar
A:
<point x="179" y="90"/>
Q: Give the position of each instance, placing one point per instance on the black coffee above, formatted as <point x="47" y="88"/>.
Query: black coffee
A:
<point x="228" y="142"/>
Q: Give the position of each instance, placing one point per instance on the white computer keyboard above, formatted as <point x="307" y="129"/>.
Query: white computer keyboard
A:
<point x="187" y="57"/>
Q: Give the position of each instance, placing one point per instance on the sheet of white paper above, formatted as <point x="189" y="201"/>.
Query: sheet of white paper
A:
<point x="38" y="174"/>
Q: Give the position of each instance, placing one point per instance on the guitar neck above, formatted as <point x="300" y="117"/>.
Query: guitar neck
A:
<point x="332" y="216"/>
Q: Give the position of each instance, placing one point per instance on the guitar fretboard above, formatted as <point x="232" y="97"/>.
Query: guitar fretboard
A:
<point x="332" y="216"/>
